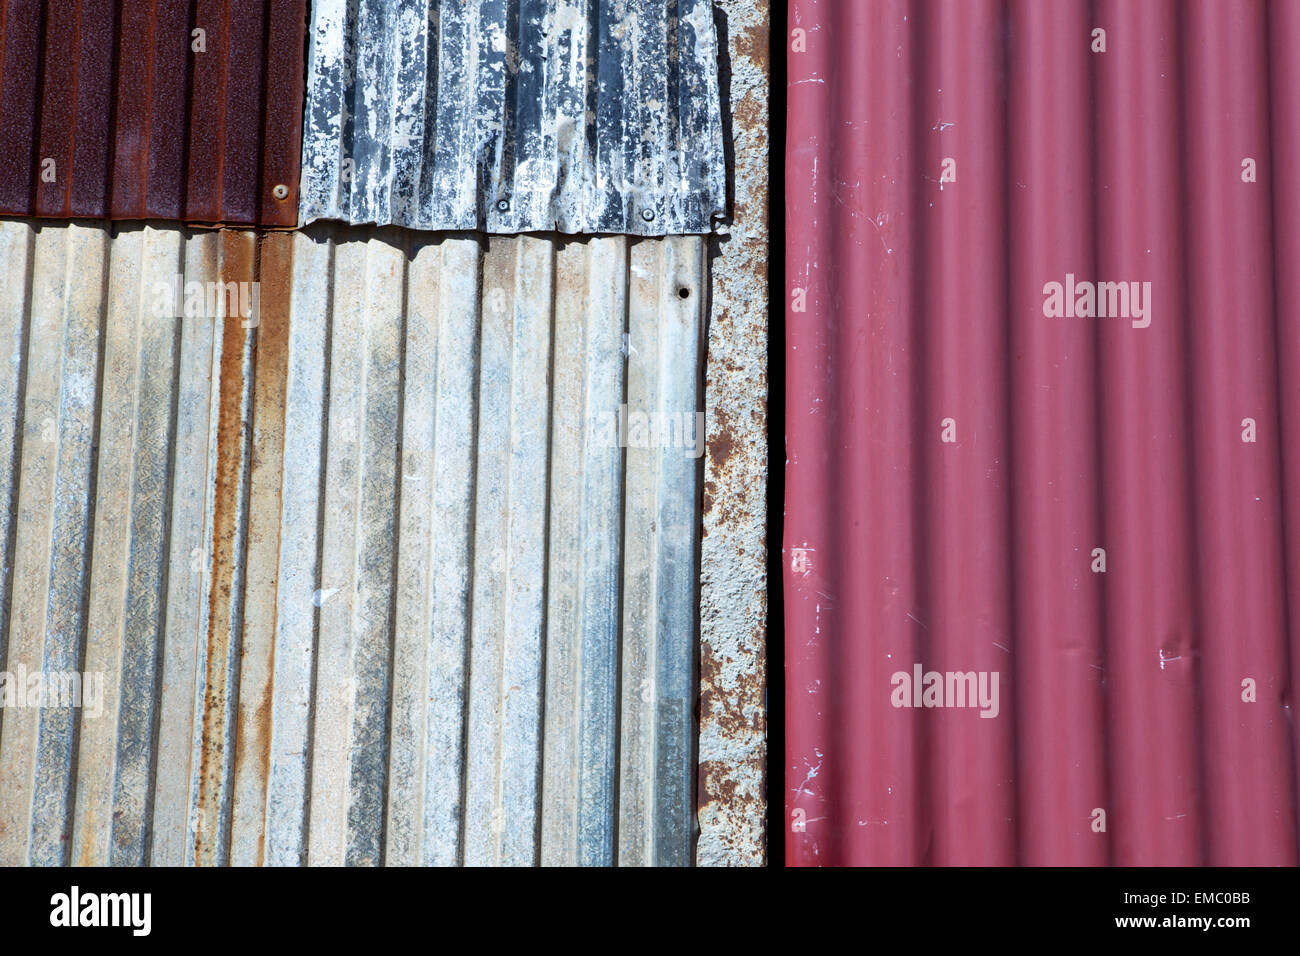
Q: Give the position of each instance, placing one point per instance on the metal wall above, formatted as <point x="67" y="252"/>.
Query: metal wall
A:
<point x="515" y="115"/>
<point x="152" y="109"/>
<point x="1102" y="510"/>
<point x="365" y="583"/>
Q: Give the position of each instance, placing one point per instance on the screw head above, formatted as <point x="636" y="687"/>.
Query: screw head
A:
<point x="503" y="205"/>
<point x="281" y="191"/>
<point x="648" y="215"/>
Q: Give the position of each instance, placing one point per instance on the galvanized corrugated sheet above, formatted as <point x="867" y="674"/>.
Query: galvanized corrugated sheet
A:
<point x="513" y="116"/>
<point x="152" y="109"/>
<point x="1100" y="510"/>
<point x="368" y="577"/>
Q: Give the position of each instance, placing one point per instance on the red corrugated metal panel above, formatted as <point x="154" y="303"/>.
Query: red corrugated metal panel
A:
<point x="1101" y="512"/>
<point x="124" y="110"/>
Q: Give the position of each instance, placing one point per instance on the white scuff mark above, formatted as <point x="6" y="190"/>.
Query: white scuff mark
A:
<point x="1166" y="660"/>
<point x="812" y="772"/>
<point x="321" y="596"/>
<point x="1001" y="647"/>
<point x="877" y="223"/>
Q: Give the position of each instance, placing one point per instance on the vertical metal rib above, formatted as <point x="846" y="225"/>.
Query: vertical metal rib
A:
<point x="579" y="795"/>
<point x="128" y="565"/>
<point x="46" y="621"/>
<point x="509" y="553"/>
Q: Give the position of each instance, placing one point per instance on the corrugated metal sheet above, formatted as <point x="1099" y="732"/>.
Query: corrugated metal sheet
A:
<point x="1101" y="510"/>
<point x="152" y="109"/>
<point x="523" y="116"/>
<point x="367" y="581"/>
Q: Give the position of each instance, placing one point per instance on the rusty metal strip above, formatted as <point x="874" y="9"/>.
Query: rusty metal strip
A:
<point x="733" y="769"/>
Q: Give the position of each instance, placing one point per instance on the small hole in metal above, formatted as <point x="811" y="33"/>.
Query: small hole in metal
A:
<point x="683" y="293"/>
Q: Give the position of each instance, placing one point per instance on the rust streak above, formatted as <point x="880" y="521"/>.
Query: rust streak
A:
<point x="236" y="266"/>
<point x="253" y="733"/>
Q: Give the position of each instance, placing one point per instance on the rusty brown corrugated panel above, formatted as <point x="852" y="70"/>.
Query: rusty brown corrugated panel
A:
<point x="152" y="109"/>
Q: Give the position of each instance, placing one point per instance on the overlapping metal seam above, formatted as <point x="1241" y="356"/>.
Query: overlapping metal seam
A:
<point x="152" y="110"/>
<point x="514" y="116"/>
<point x="1094" y="507"/>
<point x="378" y="578"/>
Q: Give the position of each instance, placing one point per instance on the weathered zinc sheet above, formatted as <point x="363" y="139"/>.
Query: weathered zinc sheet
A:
<point x="400" y="568"/>
<point x="507" y="116"/>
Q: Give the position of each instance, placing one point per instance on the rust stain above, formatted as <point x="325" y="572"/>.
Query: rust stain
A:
<point x="723" y="442"/>
<point x="724" y="700"/>
<point x="734" y="786"/>
<point x="261" y="728"/>
<point x="275" y="275"/>
<point x="753" y="41"/>
<point x="710" y="495"/>
<point x="86" y="858"/>
<point x="236" y="265"/>
<point x="716" y="783"/>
